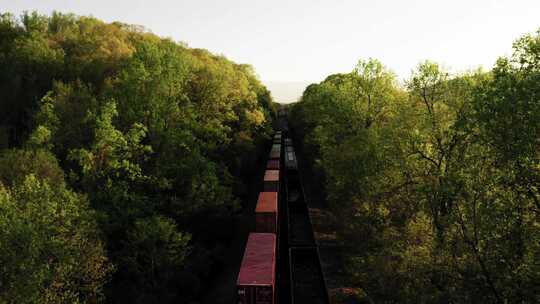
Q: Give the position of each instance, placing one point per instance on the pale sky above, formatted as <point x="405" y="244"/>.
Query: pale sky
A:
<point x="306" y="40"/>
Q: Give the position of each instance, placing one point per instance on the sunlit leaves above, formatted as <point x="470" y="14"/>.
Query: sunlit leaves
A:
<point x="114" y="155"/>
<point x="439" y="198"/>
<point x="51" y="252"/>
<point x="155" y="133"/>
<point x="374" y="87"/>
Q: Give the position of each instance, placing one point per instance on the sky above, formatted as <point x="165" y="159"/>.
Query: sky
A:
<point x="303" y="41"/>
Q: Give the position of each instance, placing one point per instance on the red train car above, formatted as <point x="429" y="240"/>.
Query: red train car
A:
<point x="275" y="155"/>
<point x="256" y="280"/>
<point x="272" y="164"/>
<point x="271" y="181"/>
<point x="266" y="213"/>
<point x="276" y="148"/>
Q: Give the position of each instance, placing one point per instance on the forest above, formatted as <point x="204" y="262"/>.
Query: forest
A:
<point x="124" y="160"/>
<point x="434" y="182"/>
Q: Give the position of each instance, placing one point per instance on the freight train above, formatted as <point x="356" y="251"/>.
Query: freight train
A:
<point x="281" y="262"/>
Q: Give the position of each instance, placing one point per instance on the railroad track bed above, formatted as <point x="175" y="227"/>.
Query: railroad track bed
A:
<point x="307" y="281"/>
<point x="300" y="229"/>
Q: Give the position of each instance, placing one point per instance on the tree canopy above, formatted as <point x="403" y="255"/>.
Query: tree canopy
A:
<point x="435" y="183"/>
<point x="113" y="143"/>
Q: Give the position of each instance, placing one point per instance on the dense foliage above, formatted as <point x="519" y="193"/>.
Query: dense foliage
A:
<point x="435" y="183"/>
<point x="118" y="149"/>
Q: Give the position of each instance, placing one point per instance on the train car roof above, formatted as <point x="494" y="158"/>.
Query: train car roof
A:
<point x="290" y="157"/>
<point x="275" y="154"/>
<point x="272" y="164"/>
<point x="271" y="175"/>
<point x="258" y="262"/>
<point x="267" y="202"/>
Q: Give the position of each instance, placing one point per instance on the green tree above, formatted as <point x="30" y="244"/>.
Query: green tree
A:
<point x="51" y="247"/>
<point x="439" y="194"/>
<point x="155" y="253"/>
<point x="145" y="127"/>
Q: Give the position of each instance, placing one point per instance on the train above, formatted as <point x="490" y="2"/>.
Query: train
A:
<point x="281" y="261"/>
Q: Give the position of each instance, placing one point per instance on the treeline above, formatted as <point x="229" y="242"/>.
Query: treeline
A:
<point x="434" y="183"/>
<point x="124" y="158"/>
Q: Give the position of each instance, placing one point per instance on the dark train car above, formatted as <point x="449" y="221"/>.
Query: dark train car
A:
<point x="271" y="181"/>
<point x="285" y="129"/>
<point x="291" y="162"/>
<point x="293" y="188"/>
<point x="300" y="231"/>
<point x="272" y="164"/>
<point x="299" y="228"/>
<point x="266" y="213"/>
<point x="256" y="280"/>
<point x="307" y="279"/>
<point x="288" y="142"/>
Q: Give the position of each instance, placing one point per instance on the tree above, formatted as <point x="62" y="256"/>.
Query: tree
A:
<point x="51" y="247"/>
<point x="149" y="130"/>
<point x="16" y="164"/>
<point x="154" y="253"/>
<point x="439" y="194"/>
<point x="374" y="87"/>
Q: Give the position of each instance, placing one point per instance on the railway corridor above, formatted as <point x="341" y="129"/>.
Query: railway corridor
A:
<point x="285" y="268"/>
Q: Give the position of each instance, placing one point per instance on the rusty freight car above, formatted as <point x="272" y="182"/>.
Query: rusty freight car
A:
<point x="271" y="181"/>
<point x="256" y="280"/>
<point x="266" y="213"/>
